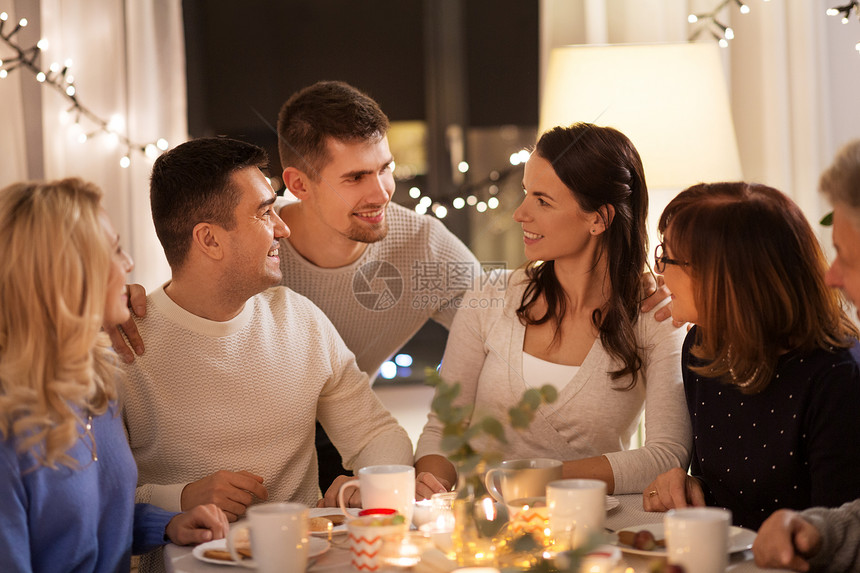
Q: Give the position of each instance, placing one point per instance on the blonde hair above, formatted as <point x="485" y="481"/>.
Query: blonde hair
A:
<point x="758" y="274"/>
<point x="54" y="265"/>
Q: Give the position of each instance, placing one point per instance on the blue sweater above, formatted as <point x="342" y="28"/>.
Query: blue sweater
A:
<point x="76" y="519"/>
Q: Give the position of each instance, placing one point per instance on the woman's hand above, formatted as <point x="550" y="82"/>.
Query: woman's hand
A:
<point x="200" y="524"/>
<point x="673" y="489"/>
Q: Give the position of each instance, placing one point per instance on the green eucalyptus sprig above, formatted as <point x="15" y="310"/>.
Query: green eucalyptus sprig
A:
<point x="458" y="432"/>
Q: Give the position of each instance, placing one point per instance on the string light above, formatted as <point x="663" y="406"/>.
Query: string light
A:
<point x="63" y="82"/>
<point x="468" y="194"/>
<point x="709" y="22"/>
<point x="845" y="11"/>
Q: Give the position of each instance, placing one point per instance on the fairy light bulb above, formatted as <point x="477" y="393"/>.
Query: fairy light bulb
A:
<point x="70" y="91"/>
<point x="745" y="9"/>
<point x="730" y="34"/>
<point x="162" y="144"/>
<point x="458" y="203"/>
<point x="414" y="192"/>
<point x="125" y="161"/>
<point x="43" y="44"/>
<point x="692" y="18"/>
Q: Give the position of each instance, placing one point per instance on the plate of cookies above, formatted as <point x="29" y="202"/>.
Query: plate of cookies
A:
<point x="321" y="518"/>
<point x="216" y="552"/>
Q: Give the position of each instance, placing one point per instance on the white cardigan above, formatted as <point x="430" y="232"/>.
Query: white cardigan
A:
<point x="590" y="418"/>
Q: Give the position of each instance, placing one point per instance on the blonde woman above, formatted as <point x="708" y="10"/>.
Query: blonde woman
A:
<point x="66" y="471"/>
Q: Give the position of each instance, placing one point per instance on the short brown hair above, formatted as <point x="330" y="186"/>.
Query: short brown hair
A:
<point x="190" y="184"/>
<point x="320" y="111"/>
<point x="758" y="274"/>
<point x="841" y="181"/>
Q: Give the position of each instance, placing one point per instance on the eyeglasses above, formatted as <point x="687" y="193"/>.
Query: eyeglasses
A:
<point x="661" y="260"/>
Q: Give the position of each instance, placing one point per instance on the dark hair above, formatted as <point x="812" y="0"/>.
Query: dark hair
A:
<point x="601" y="167"/>
<point x="758" y="280"/>
<point x="191" y="184"/>
<point x="320" y="111"/>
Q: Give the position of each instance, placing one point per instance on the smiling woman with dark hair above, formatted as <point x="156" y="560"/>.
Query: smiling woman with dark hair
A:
<point x="572" y="319"/>
<point x="771" y="386"/>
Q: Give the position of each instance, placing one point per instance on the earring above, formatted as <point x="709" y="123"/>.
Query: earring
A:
<point x="593" y="231"/>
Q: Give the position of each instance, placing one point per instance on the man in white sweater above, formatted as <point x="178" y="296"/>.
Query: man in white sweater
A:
<point x="222" y="405"/>
<point x="377" y="270"/>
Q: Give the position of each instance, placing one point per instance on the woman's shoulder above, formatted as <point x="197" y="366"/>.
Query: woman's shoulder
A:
<point x="651" y="331"/>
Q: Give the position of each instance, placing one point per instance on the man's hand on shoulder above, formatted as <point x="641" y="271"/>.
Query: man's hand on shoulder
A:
<point x="232" y="492"/>
<point x="137" y="304"/>
<point x="655" y="288"/>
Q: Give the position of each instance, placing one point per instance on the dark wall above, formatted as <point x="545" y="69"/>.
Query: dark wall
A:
<point x="246" y="58"/>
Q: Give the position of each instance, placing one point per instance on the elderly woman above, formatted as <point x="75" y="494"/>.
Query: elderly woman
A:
<point x="66" y="471"/>
<point x="571" y="318"/>
<point x="771" y="386"/>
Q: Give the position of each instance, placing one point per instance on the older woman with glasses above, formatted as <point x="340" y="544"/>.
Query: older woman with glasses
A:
<point x="571" y="318"/>
<point x="772" y="389"/>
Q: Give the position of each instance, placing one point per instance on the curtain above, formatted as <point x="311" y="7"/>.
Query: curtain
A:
<point x="128" y="63"/>
<point x="793" y="74"/>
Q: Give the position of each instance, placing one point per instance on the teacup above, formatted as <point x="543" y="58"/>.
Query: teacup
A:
<point x="279" y="537"/>
<point x="390" y="487"/>
<point x="577" y="510"/>
<point x="522" y="478"/>
<point x="697" y="538"/>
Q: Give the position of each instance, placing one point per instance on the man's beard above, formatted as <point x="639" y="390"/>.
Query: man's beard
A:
<point x="363" y="234"/>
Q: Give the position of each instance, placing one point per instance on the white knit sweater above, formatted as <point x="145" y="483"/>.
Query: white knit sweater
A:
<point x="244" y="394"/>
<point x="417" y="272"/>
<point x="590" y="417"/>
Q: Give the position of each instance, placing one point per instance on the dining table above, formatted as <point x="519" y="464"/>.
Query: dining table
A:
<point x="626" y="515"/>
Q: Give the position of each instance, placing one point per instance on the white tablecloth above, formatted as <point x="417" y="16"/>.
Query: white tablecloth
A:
<point x="628" y="514"/>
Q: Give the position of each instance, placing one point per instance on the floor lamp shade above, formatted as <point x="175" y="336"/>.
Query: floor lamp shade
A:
<point x="671" y="100"/>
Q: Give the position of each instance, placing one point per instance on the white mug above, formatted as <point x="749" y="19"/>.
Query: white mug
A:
<point x="577" y="510"/>
<point x="388" y="487"/>
<point x="279" y="537"/>
<point x="697" y="538"/>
